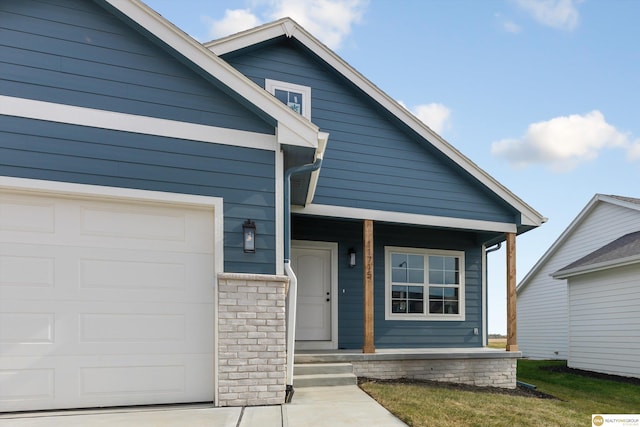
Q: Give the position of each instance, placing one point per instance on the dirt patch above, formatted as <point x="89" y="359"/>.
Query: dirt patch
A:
<point x="591" y="374"/>
<point x="518" y="391"/>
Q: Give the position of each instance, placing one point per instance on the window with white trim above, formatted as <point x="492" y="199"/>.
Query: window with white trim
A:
<point x="296" y="97"/>
<point x="424" y="284"/>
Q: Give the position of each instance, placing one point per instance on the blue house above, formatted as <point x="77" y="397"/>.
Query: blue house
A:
<point x="179" y="220"/>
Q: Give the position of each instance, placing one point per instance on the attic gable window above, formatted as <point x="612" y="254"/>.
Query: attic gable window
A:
<point x="296" y="97"/>
<point x="424" y="284"/>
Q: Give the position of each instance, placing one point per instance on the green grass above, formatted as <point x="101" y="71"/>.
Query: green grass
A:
<point x="421" y="405"/>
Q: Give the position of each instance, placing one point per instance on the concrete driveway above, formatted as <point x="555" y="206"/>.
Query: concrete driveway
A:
<point x="311" y="407"/>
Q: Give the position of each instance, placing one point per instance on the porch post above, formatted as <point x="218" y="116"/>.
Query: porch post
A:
<point x="512" y="343"/>
<point x="368" y="346"/>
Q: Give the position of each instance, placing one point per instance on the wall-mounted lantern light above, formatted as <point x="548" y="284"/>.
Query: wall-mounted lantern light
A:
<point x="352" y="257"/>
<point x="249" y="236"/>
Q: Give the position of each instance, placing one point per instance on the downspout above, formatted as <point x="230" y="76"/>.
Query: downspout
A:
<point x="485" y="332"/>
<point x="292" y="299"/>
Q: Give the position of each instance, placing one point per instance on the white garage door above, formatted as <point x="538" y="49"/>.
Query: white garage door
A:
<point x="104" y="303"/>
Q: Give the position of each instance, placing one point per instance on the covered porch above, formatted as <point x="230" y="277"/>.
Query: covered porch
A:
<point x="357" y="304"/>
<point x="483" y="367"/>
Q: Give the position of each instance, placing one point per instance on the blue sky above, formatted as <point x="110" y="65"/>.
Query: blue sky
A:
<point x="541" y="94"/>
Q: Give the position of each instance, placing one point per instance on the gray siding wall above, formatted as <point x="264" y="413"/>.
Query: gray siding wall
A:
<point x="75" y="52"/>
<point x="543" y="317"/>
<point x="372" y="161"/>
<point x="396" y="333"/>
<point x="604" y="321"/>
<point x="244" y="177"/>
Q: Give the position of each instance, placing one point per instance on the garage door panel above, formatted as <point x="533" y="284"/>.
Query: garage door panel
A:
<point x="107" y="274"/>
<point x="36" y="328"/>
<point x="91" y="381"/>
<point x="118" y="224"/>
<point x="104" y="302"/>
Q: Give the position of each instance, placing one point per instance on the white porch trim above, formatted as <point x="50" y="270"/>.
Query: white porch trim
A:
<point x="404" y="218"/>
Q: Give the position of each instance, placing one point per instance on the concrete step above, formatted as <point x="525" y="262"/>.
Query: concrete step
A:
<point x="323" y="375"/>
<point x="322" y="368"/>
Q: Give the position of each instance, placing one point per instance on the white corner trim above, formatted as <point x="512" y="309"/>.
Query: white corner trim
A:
<point x="279" y="196"/>
<point x="404" y="218"/>
<point x="483" y="295"/>
<point x="111" y="120"/>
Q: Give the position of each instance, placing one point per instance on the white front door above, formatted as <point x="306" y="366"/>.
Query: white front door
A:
<point x="313" y="263"/>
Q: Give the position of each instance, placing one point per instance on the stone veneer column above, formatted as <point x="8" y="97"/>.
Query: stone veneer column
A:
<point x="251" y="339"/>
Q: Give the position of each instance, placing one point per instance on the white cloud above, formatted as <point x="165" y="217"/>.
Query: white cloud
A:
<point x="562" y="143"/>
<point x="511" y="27"/>
<point x="634" y="151"/>
<point x="508" y="25"/>
<point x="234" y="21"/>
<point x="560" y="14"/>
<point x="434" y="115"/>
<point x="328" y="20"/>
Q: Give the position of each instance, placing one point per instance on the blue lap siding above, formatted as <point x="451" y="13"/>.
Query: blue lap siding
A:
<point x="372" y="161"/>
<point x="243" y="177"/>
<point x="77" y="53"/>
<point x="395" y="333"/>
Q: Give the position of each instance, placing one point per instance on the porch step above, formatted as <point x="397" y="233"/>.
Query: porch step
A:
<point x="323" y="374"/>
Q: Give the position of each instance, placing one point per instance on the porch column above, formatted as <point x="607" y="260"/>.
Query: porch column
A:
<point x="367" y="232"/>
<point x="512" y="343"/>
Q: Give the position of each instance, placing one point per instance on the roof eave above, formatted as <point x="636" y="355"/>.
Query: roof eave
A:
<point x="592" y="268"/>
<point x="292" y="128"/>
<point x="597" y="198"/>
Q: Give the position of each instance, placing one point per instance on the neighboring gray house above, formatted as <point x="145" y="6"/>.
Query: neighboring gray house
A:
<point x="603" y="291"/>
<point x="543" y="313"/>
<point x="148" y="253"/>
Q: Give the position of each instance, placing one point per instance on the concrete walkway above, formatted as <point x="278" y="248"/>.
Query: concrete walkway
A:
<point x="311" y="407"/>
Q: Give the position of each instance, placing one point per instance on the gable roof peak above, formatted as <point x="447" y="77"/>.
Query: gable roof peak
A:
<point x="530" y="218"/>
<point x="597" y="199"/>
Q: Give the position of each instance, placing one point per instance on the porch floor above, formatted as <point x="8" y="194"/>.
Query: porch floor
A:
<point x="356" y="355"/>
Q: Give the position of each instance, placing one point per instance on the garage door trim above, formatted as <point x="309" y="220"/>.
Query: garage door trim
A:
<point x="56" y="188"/>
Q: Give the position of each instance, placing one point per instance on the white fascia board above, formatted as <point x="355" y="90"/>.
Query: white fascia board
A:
<point x="153" y="22"/>
<point x="111" y="120"/>
<point x="288" y="27"/>
<point x="404" y="218"/>
<point x="584" y="213"/>
<point x="596" y="267"/>
<point x="618" y="202"/>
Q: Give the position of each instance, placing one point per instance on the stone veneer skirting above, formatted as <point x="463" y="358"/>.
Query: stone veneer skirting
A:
<point x="480" y="367"/>
<point x="478" y="372"/>
<point x="251" y="339"/>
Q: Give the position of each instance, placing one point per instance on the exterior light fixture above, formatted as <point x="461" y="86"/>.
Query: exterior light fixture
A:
<point x="352" y="257"/>
<point x="249" y="236"/>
